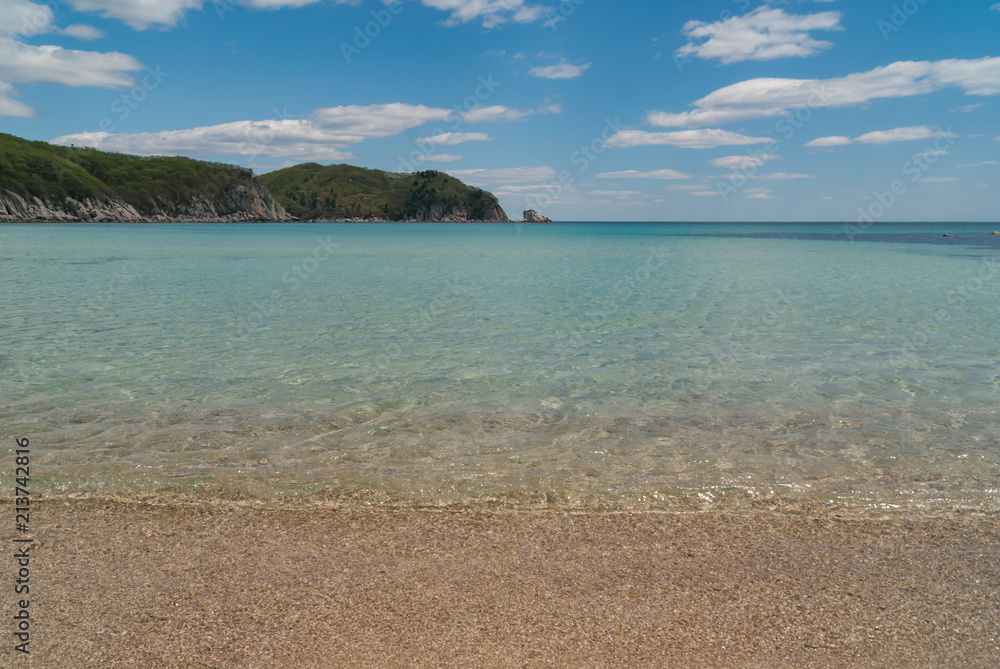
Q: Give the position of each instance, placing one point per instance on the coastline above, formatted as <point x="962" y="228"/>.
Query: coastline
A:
<point x="227" y="585"/>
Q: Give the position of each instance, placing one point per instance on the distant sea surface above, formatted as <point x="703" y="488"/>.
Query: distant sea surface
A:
<point x="630" y="365"/>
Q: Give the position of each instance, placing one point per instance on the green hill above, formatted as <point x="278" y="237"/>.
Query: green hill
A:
<point x="336" y="192"/>
<point x="47" y="182"/>
<point x="53" y="173"/>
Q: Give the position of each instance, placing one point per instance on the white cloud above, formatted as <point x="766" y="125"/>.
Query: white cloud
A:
<point x="902" y="135"/>
<point x="744" y="162"/>
<point x="653" y="174"/>
<point x="706" y="138"/>
<point x="24" y="18"/>
<point x="616" y="192"/>
<point x="323" y="136"/>
<point x="763" y="34"/>
<point x="760" y="196"/>
<point x="781" y="176"/>
<point x="83" y="32"/>
<point x="935" y="180"/>
<point x="765" y="97"/>
<point x="453" y="138"/>
<point x="510" y="189"/>
<point x="685" y="187"/>
<point x="972" y="107"/>
<point x="510" y="175"/>
<point x="996" y="6"/>
<point x="139" y="14"/>
<point x="494" y="113"/>
<point x="11" y="107"/>
<point x="772" y="176"/>
<point x="29" y="64"/>
<point x="439" y="158"/>
<point x="706" y="193"/>
<point x="492" y="12"/>
<point x="25" y="63"/>
<point x="562" y="70"/>
<point x="884" y="136"/>
<point x="835" y="140"/>
<point x="979" y="164"/>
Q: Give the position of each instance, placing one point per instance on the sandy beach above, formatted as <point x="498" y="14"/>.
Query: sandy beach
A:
<point x="118" y="584"/>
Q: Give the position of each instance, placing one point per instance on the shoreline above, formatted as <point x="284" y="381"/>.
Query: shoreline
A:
<point x="183" y="585"/>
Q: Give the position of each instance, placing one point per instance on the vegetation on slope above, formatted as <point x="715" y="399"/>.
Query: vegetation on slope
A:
<point x="314" y="192"/>
<point x="51" y="172"/>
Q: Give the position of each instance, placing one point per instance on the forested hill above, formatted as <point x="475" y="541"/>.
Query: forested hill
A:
<point x="337" y="192"/>
<point x="47" y="182"/>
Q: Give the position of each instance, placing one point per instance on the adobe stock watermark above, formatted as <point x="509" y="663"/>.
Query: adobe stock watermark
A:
<point x="556" y="15"/>
<point x="924" y="332"/>
<point x="363" y="35"/>
<point x="899" y="17"/>
<point x="102" y="300"/>
<point x="261" y="313"/>
<point x="884" y="200"/>
<point x="483" y="92"/>
<point x="581" y="158"/>
<point x="787" y="126"/>
<point x="124" y="104"/>
<point x="444" y="301"/>
<point x="624" y="289"/>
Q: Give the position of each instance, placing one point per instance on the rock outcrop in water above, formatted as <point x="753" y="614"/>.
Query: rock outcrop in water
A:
<point x="532" y="216"/>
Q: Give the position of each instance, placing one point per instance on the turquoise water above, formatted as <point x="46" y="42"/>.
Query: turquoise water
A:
<point x="443" y="362"/>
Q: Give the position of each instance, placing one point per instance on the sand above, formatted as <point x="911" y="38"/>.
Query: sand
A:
<point x="137" y="585"/>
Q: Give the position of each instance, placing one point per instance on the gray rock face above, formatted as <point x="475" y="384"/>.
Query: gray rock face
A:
<point x="532" y="216"/>
<point x="247" y="202"/>
<point x="437" y="214"/>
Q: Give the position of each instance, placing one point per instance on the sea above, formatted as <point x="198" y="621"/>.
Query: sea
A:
<point x="575" y="366"/>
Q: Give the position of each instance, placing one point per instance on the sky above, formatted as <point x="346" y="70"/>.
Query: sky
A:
<point x="726" y="110"/>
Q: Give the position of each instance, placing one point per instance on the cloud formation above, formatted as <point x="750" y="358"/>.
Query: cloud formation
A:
<point x="562" y="70"/>
<point x="453" y="138"/>
<point x="884" y="136"/>
<point x="744" y="162"/>
<point x="653" y="174"/>
<point x="325" y="135"/>
<point x="47" y="64"/>
<point x="767" y="97"/>
<point x="705" y="138"/>
<point x="491" y="12"/>
<point x="763" y="34"/>
<point x="508" y="175"/>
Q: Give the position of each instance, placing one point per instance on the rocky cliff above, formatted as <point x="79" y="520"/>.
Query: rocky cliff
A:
<point x="244" y="202"/>
<point x="438" y="214"/>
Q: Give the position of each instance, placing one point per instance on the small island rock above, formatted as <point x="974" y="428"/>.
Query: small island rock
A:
<point x="532" y="216"/>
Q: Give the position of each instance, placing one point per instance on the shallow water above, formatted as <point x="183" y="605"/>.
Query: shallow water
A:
<point x="448" y="362"/>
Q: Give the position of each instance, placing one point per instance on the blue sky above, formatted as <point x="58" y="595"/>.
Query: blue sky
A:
<point x="585" y="110"/>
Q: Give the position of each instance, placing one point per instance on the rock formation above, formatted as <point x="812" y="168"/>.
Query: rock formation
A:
<point x="532" y="216"/>
<point x="246" y="202"/>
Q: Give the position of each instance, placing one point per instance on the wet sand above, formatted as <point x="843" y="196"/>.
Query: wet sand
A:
<point x="135" y="585"/>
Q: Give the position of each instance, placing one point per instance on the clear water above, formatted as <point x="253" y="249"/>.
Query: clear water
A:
<point x="441" y="363"/>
